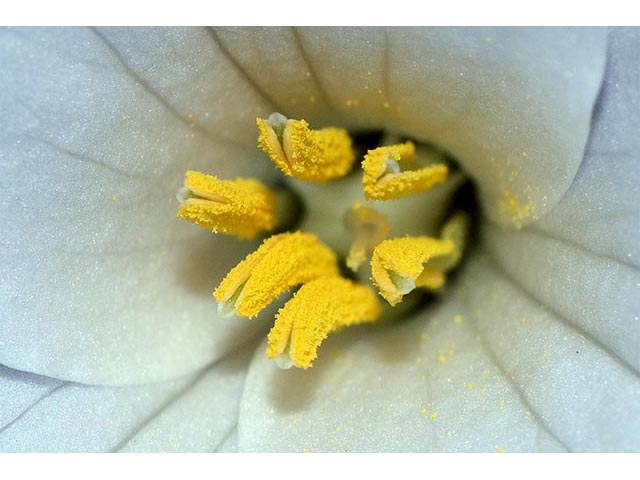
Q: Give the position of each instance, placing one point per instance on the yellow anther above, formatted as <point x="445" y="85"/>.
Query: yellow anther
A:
<point x="281" y="262"/>
<point x="369" y="228"/>
<point x="400" y="265"/>
<point x="315" y="155"/>
<point x="319" y="308"/>
<point x="384" y="178"/>
<point x="241" y="207"/>
<point x="397" y="265"/>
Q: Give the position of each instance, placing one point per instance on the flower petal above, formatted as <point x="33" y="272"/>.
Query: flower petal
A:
<point x="513" y="105"/>
<point x="488" y="369"/>
<point x="197" y="413"/>
<point x="100" y="282"/>
<point x="543" y="355"/>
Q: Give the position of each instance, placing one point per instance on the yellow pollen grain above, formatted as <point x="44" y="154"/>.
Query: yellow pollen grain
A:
<point x="338" y="429"/>
<point x="241" y="207"/>
<point x="457" y="319"/>
<point x="305" y="154"/>
<point x="441" y="358"/>
<point x="114" y="198"/>
<point x="433" y="415"/>
<point x="499" y="450"/>
<point x="399" y="265"/>
<point x="320" y="307"/>
<point x="469" y="386"/>
<point x="423" y="411"/>
<point x="281" y="262"/>
<point x="523" y="320"/>
<point x="384" y="180"/>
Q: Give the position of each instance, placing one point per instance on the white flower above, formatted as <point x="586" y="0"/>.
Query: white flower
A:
<point x="109" y="336"/>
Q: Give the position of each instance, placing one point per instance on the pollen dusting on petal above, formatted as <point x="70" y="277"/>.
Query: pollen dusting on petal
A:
<point x="320" y="307"/>
<point x="401" y="264"/>
<point x="314" y="155"/>
<point x="281" y="262"/>
<point x="369" y="228"/>
<point x="384" y="179"/>
<point x="241" y="207"/>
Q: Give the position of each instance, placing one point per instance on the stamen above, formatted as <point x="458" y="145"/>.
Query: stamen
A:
<point x="384" y="179"/>
<point x="315" y="155"/>
<point x="370" y="228"/>
<point x="320" y="307"/>
<point x="241" y="207"/>
<point x="400" y="265"/>
<point x="281" y="262"/>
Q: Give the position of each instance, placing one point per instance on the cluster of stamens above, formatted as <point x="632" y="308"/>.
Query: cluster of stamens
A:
<point x="326" y="301"/>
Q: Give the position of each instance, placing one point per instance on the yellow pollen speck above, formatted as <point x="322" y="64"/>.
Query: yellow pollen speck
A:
<point x="400" y="265"/>
<point x="281" y="262"/>
<point x="369" y="72"/>
<point x="433" y="415"/>
<point x="501" y="403"/>
<point x="423" y="411"/>
<point x="314" y="155"/>
<point x="369" y="228"/>
<point x="320" y="307"/>
<point x="441" y="358"/>
<point x="338" y="429"/>
<point x="469" y="386"/>
<point x="485" y="372"/>
<point x="457" y="319"/>
<point x="241" y="207"/>
<point x="523" y="320"/>
<point x="384" y="180"/>
<point x="488" y="40"/>
<point x="518" y="212"/>
<point x="386" y="105"/>
<point x="114" y="198"/>
<point x="125" y="117"/>
<point x="306" y="450"/>
<point x="499" y="450"/>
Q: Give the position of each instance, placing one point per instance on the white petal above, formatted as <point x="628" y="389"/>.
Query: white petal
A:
<point x="512" y="377"/>
<point x="195" y="413"/>
<point x="512" y="104"/>
<point x="545" y="357"/>
<point x="100" y="282"/>
<point x="378" y="389"/>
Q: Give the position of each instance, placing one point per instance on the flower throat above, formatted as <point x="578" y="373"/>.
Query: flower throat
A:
<point x="369" y="235"/>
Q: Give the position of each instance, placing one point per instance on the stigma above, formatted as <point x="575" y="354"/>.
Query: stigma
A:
<point x="280" y="263"/>
<point x="386" y="177"/>
<point x="369" y="228"/>
<point x="240" y="207"/>
<point x="305" y="154"/>
<point x="320" y="307"/>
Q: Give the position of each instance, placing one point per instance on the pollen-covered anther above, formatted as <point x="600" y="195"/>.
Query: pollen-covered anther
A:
<point x="241" y="207"/>
<point x="369" y="228"/>
<point x="319" y="308"/>
<point x="400" y="265"/>
<point x="314" y="155"/>
<point x="387" y="178"/>
<point x="281" y="262"/>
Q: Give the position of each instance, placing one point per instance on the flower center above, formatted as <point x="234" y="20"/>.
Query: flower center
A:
<point x="383" y="226"/>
